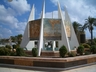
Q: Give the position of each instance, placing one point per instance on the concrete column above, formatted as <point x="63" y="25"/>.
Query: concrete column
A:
<point x="26" y="41"/>
<point x="54" y="45"/>
<point x="41" y="31"/>
<point x="64" y="40"/>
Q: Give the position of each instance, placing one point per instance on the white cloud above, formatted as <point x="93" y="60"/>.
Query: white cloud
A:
<point x="6" y="11"/>
<point x="20" y="6"/>
<point x="77" y="9"/>
<point x="4" y="32"/>
<point x="21" y="27"/>
<point x="8" y="18"/>
<point x="53" y="14"/>
<point x="90" y="2"/>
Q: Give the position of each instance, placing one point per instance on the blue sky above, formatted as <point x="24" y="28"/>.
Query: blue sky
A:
<point x="14" y="14"/>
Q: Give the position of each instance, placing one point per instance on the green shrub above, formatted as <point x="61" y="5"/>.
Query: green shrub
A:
<point x="8" y="46"/>
<point x="34" y="52"/>
<point x="20" y="52"/>
<point x="89" y="43"/>
<point x="13" y="53"/>
<point x="80" y="50"/>
<point x="62" y="51"/>
<point x="93" y="49"/>
<point x="14" y="46"/>
<point x="7" y="51"/>
<point x="2" y="52"/>
<point x="86" y="45"/>
<point x="17" y="45"/>
<point x="87" y="52"/>
<point x="93" y="42"/>
<point x="71" y="54"/>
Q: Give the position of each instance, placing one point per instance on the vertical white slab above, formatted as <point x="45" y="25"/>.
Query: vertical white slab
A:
<point x="32" y="14"/>
<point x="54" y="45"/>
<point x="73" y="40"/>
<point x="25" y="38"/>
<point x="31" y="44"/>
<point x="41" y="30"/>
<point x="25" y="41"/>
<point x="64" y="39"/>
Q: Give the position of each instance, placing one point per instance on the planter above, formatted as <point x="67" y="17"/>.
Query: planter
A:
<point x="49" y="62"/>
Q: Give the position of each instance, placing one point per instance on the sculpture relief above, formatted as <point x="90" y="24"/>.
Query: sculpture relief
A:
<point x="34" y="29"/>
<point x="52" y="29"/>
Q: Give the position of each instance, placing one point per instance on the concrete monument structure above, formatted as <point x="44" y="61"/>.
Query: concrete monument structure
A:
<point x="41" y="32"/>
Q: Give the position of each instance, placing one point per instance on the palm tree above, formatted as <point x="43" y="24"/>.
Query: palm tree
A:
<point x="90" y="23"/>
<point x="82" y="28"/>
<point x="76" y="27"/>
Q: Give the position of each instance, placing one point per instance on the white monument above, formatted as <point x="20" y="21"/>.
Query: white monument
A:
<point x="44" y="30"/>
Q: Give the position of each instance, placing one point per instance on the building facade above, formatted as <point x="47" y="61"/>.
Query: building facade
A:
<point x="49" y="34"/>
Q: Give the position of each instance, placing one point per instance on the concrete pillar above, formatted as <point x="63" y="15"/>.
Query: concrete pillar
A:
<point x="41" y="39"/>
<point x="54" y="45"/>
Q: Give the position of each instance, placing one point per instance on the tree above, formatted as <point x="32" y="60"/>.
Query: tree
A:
<point x="82" y="28"/>
<point x="90" y="23"/>
<point x="3" y="41"/>
<point x="13" y="38"/>
<point x="76" y="27"/>
<point x="19" y="38"/>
